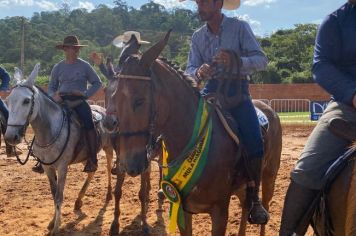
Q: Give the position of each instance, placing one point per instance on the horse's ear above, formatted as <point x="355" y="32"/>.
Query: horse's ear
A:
<point x="18" y="76"/>
<point x="151" y="54"/>
<point x="31" y="79"/>
<point x="130" y="48"/>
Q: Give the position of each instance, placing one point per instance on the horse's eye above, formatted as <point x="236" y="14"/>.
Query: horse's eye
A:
<point x="137" y="103"/>
<point x="26" y="101"/>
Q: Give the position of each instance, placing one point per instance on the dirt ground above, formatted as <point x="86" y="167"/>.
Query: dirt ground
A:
<point x="26" y="205"/>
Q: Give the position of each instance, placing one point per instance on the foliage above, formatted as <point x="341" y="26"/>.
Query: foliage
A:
<point x="289" y="51"/>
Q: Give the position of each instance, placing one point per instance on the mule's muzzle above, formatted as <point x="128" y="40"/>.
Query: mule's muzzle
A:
<point x="12" y="138"/>
<point x="111" y="123"/>
<point x="136" y="164"/>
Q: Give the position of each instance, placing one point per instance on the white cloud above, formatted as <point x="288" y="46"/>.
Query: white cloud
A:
<point x="86" y="5"/>
<point x="258" y="2"/>
<point x="16" y="2"/>
<point x="168" y="4"/>
<point x="47" y="5"/>
<point x="255" y="24"/>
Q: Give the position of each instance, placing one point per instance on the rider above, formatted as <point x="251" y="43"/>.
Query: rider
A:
<point x="5" y="80"/>
<point x="68" y="81"/>
<point x="209" y="48"/>
<point x="334" y="68"/>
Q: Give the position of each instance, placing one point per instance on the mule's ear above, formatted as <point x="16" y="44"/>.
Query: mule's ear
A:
<point x="151" y="54"/>
<point x="18" y="76"/>
<point x="31" y="79"/>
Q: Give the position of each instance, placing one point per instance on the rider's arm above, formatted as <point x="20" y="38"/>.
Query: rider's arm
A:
<point x="252" y="56"/>
<point x="53" y="81"/>
<point x="94" y="80"/>
<point x="194" y="58"/>
<point x="327" y="56"/>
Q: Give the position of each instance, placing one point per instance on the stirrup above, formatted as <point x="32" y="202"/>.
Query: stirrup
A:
<point x="258" y="214"/>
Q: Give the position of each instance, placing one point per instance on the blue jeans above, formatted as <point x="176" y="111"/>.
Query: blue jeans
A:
<point x="245" y="116"/>
<point x="5" y="112"/>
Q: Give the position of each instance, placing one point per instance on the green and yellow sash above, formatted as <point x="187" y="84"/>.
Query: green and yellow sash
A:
<point x="179" y="180"/>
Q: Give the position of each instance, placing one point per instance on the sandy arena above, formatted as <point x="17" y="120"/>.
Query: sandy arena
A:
<point x="26" y="205"/>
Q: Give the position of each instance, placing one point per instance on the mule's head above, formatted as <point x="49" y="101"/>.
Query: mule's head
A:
<point x="22" y="106"/>
<point x="132" y="106"/>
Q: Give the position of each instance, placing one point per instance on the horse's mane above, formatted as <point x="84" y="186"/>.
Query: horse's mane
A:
<point x="188" y="80"/>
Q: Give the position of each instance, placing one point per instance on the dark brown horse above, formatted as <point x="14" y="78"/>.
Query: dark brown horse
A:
<point x="341" y="199"/>
<point x="153" y="98"/>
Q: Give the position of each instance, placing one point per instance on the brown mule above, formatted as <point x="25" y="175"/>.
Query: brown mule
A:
<point x="152" y="99"/>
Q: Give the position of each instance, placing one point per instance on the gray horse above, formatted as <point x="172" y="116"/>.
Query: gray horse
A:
<point x="59" y="141"/>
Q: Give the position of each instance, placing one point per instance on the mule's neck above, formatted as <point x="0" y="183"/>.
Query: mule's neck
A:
<point x="181" y="103"/>
<point x="48" y="120"/>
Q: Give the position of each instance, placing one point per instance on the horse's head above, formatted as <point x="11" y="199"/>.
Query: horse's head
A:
<point x="131" y="107"/>
<point x="22" y="106"/>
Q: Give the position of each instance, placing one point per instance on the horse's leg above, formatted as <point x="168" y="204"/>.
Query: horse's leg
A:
<point x="78" y="203"/>
<point x="241" y="194"/>
<point x="109" y="156"/>
<point x="115" y="225"/>
<point x="62" y="175"/>
<point x="52" y="177"/>
<point x="144" y="196"/>
<point x="160" y="193"/>
<point x="219" y="216"/>
<point x="188" y="230"/>
<point x="268" y="182"/>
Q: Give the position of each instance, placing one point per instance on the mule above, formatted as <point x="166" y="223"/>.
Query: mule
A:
<point x="57" y="136"/>
<point x="153" y="98"/>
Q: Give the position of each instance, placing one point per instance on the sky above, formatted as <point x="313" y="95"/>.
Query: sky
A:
<point x="264" y="16"/>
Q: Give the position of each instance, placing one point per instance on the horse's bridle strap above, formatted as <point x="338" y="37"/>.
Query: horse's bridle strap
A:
<point x="138" y="77"/>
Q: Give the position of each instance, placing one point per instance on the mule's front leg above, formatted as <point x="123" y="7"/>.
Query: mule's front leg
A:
<point x="62" y="175"/>
<point x="52" y="177"/>
<point x="115" y="225"/>
<point x="188" y="230"/>
<point x="144" y="196"/>
<point x="219" y="216"/>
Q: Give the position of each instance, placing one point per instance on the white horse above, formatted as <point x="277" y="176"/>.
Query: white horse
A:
<point x="59" y="140"/>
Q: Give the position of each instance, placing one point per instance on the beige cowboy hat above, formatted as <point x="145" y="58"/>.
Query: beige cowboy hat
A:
<point x="228" y="4"/>
<point x="121" y="40"/>
<point x="70" y="41"/>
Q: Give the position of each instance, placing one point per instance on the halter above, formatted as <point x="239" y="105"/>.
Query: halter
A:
<point x="152" y="118"/>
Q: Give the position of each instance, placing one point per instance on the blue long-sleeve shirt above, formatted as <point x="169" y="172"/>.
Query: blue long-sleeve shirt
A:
<point x="334" y="64"/>
<point x="235" y="35"/>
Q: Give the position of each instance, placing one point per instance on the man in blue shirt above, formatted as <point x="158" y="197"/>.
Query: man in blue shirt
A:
<point x="334" y="69"/>
<point x="226" y="47"/>
<point x="5" y="79"/>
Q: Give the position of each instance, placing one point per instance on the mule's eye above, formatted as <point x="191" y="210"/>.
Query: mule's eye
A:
<point x="137" y="103"/>
<point x="26" y="101"/>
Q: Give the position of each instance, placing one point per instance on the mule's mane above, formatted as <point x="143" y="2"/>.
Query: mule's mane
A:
<point x="190" y="81"/>
<point x="45" y="93"/>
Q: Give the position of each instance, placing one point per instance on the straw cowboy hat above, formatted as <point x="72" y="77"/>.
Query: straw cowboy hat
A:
<point x="121" y="40"/>
<point x="228" y="4"/>
<point x="70" y="41"/>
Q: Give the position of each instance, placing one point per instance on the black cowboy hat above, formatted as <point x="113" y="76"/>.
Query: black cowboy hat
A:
<point x="70" y="41"/>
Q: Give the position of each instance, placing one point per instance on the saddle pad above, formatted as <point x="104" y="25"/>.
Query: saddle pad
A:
<point x="262" y="118"/>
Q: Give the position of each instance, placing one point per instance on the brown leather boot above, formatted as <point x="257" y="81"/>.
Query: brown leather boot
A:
<point x="92" y="161"/>
<point x="257" y="213"/>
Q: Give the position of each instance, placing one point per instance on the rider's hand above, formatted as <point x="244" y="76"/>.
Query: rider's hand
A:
<point x="97" y="58"/>
<point x="77" y="93"/>
<point x="223" y="58"/>
<point x="57" y="98"/>
<point x="204" y="72"/>
<point x="354" y="101"/>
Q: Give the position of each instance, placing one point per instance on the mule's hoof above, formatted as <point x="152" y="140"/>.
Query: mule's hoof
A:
<point x="161" y="195"/>
<point x="145" y="230"/>
<point x="114" y="229"/>
<point x="114" y="170"/>
<point x="78" y="204"/>
<point x="90" y="167"/>
<point x="50" y="225"/>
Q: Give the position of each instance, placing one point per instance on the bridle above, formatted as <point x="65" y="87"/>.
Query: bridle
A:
<point x="149" y="132"/>
<point x="27" y="122"/>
